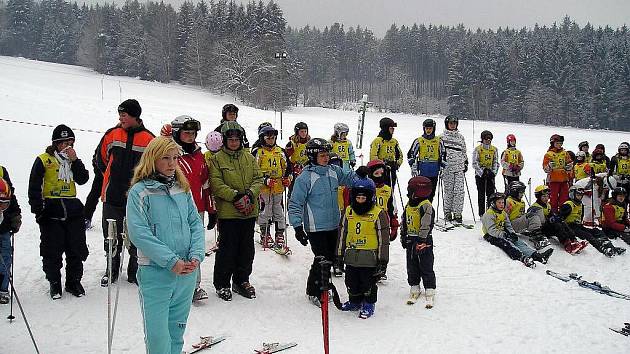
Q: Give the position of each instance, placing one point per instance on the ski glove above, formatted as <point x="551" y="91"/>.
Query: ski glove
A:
<point x="16" y="223"/>
<point x="300" y="235"/>
<point x="511" y="236"/>
<point x="381" y="268"/>
<point x="554" y="219"/>
<point x="244" y="202"/>
<point x="421" y="247"/>
<point x="362" y="171"/>
<point x="393" y="228"/>
<point x="352" y="164"/>
<point x="286" y="181"/>
<point x="405" y="241"/>
<point x="212" y="221"/>
<point x="269" y="182"/>
<point x="466" y="167"/>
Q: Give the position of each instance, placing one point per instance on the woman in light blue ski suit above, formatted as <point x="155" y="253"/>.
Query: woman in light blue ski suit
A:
<point x="166" y="228"/>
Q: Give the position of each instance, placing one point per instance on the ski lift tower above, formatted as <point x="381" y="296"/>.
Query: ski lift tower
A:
<point x="364" y="105"/>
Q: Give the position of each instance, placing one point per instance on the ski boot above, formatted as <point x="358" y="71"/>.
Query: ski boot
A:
<point x="338" y="269"/>
<point x="414" y="294"/>
<point x="224" y="294"/>
<point x="367" y="310"/>
<point x="199" y="295"/>
<point x="540" y="242"/>
<point x="572" y="247"/>
<point x="609" y="251"/>
<point x="351" y="306"/>
<point x="542" y="257"/>
<point x="75" y="288"/>
<point x="448" y="216"/>
<point x="315" y="300"/>
<point x="4" y="297"/>
<point x="429" y="295"/>
<point x="528" y="262"/>
<point x="619" y="250"/>
<point x="457" y="219"/>
<point x="55" y="290"/>
<point x="244" y="289"/>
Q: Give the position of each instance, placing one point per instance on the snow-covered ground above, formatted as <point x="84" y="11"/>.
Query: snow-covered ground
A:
<point x="485" y="302"/>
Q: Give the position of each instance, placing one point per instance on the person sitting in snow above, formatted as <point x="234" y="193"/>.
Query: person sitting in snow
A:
<point x="553" y="225"/>
<point x="416" y="238"/>
<point x="521" y="222"/>
<point x="498" y="231"/>
<point x="615" y="222"/>
<point x="364" y="246"/>
<point x="572" y="212"/>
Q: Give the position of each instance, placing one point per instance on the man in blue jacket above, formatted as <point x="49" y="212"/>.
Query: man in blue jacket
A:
<point x="313" y="209"/>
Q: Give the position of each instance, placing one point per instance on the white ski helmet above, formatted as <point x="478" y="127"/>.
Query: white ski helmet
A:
<point x="214" y="141"/>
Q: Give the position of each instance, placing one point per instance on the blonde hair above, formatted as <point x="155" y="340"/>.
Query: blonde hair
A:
<point x="157" y="148"/>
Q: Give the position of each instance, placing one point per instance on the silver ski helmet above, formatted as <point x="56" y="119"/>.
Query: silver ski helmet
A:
<point x="341" y="128"/>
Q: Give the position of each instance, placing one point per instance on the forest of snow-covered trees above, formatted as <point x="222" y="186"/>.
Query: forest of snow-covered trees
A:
<point x="558" y="74"/>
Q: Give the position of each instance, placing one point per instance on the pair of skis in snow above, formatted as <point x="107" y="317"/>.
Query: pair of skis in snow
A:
<point x="622" y="330"/>
<point x="595" y="286"/>
<point x="445" y="227"/>
<point x="267" y="348"/>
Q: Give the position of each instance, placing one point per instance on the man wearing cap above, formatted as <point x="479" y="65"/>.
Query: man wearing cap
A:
<point x="116" y="156"/>
<point x="52" y="195"/>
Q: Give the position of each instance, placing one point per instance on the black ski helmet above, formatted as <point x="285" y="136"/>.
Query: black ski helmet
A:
<point x="582" y="144"/>
<point x="428" y="123"/>
<point x="386" y="123"/>
<point x="299" y="126"/>
<point x="229" y="108"/>
<point x="617" y="191"/>
<point x="450" y="118"/>
<point x="575" y="190"/>
<point x="315" y="146"/>
<point x="486" y="134"/>
<point x="494" y="197"/>
<point x="515" y="188"/>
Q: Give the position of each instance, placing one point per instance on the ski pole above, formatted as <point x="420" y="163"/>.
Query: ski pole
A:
<point x="529" y="184"/>
<point x="400" y="195"/>
<point x="11" y="317"/>
<point x="17" y="299"/>
<point x="125" y="237"/>
<point x="469" y="199"/>
<point x="111" y="239"/>
<point x="324" y="266"/>
<point x="439" y="187"/>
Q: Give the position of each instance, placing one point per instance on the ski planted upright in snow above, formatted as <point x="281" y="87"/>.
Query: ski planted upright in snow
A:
<point x="595" y="286"/>
<point x="205" y="343"/>
<point x="268" y="348"/>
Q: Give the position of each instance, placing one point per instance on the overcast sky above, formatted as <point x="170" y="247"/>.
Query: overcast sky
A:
<point x="378" y="15"/>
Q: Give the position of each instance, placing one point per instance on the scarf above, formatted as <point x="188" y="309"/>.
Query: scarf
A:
<point x="65" y="170"/>
<point x="169" y="181"/>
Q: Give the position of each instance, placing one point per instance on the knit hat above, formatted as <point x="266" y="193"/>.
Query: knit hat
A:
<point x="131" y="107"/>
<point x="62" y="132"/>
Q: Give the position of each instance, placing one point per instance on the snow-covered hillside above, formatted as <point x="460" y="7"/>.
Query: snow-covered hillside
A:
<point x="485" y="302"/>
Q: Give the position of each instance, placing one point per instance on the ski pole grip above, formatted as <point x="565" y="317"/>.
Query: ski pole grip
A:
<point x="324" y="266"/>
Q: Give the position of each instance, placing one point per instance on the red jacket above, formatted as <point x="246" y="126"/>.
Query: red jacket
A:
<point x="612" y="221"/>
<point x="196" y="171"/>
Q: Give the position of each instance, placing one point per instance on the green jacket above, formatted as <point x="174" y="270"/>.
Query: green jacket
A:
<point x="234" y="172"/>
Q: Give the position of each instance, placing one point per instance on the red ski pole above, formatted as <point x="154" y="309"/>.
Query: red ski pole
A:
<point x="324" y="300"/>
<point x="324" y="287"/>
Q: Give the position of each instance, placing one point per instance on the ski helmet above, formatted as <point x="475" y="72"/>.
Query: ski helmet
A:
<point x="314" y="147"/>
<point x="419" y="187"/>
<point x="335" y="160"/>
<point x="299" y="126"/>
<point x="598" y="155"/>
<point x="451" y="118"/>
<point x="556" y="138"/>
<point x="374" y="166"/>
<point x="267" y="131"/>
<point x="617" y="191"/>
<point x="262" y="125"/>
<point x="386" y="123"/>
<point x="61" y="133"/>
<point x="5" y="191"/>
<point x="575" y="191"/>
<point x="580" y="156"/>
<point x="511" y="139"/>
<point x="623" y="146"/>
<point x="601" y="147"/>
<point x="341" y="128"/>
<point x="231" y="129"/>
<point x="582" y="144"/>
<point x="486" y="134"/>
<point x="492" y="199"/>
<point x="229" y="108"/>
<point x="515" y="188"/>
<point x="214" y="141"/>
<point x="428" y="123"/>
<point x="183" y="123"/>
<point x="166" y="130"/>
<point x="364" y="187"/>
<point x="540" y="190"/>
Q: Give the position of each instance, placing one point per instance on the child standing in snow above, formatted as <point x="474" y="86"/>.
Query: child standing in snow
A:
<point x="343" y="147"/>
<point x="364" y="245"/>
<point x="486" y="165"/>
<point x="415" y="237"/>
<point x="511" y="161"/>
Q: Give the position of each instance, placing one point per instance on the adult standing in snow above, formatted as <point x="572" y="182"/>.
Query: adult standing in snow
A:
<point x="313" y="209"/>
<point x="192" y="163"/>
<point x="10" y="223"/>
<point x="169" y="253"/>
<point x="386" y="148"/>
<point x="456" y="159"/>
<point x="229" y="113"/>
<point x="236" y="182"/>
<point x="425" y="155"/>
<point x="117" y="154"/>
<point x="485" y="162"/>
<point x="52" y="194"/>
<point x="511" y="161"/>
<point x="558" y="165"/>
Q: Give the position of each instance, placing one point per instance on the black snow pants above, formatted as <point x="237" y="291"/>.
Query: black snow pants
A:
<point x="235" y="256"/>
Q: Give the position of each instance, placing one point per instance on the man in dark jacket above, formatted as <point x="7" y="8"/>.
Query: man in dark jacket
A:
<point x="117" y="155"/>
